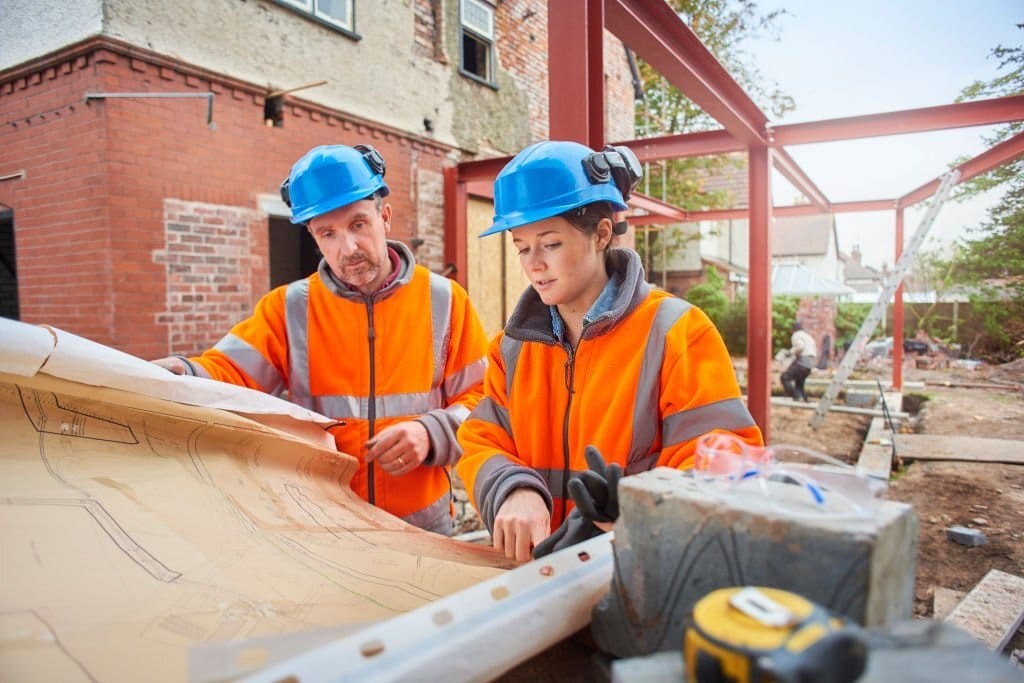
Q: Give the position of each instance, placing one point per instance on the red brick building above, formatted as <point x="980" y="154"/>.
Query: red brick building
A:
<point x="139" y="201"/>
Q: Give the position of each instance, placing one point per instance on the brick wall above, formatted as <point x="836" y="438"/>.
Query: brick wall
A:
<point x="91" y="215"/>
<point x="818" y="316"/>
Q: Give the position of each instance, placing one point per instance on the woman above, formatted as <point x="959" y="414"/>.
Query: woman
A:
<point x="590" y="356"/>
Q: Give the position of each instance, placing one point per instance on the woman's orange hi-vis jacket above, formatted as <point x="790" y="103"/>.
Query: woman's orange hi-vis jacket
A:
<point x="413" y="350"/>
<point x="649" y="375"/>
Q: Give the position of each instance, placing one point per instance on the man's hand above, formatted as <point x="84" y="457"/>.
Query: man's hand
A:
<point x="522" y="522"/>
<point x="400" y="448"/>
<point x="172" y="363"/>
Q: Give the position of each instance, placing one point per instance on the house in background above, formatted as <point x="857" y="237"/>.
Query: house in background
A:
<point x="866" y="281"/>
<point x="806" y="258"/>
<point x="144" y="143"/>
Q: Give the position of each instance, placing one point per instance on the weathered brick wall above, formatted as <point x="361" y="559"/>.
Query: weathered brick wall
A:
<point x="209" y="256"/>
<point x="523" y="52"/>
<point x="818" y="316"/>
<point x="90" y="214"/>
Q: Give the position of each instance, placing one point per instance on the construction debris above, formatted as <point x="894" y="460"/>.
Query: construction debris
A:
<point x="965" y="536"/>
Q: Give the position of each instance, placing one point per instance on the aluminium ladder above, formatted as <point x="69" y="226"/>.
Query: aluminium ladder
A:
<point x="887" y="292"/>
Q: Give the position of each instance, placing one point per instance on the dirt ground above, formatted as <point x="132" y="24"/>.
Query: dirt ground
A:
<point x="985" y="402"/>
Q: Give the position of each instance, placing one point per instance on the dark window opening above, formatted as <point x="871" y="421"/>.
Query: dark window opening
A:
<point x="293" y="252"/>
<point x="273" y="112"/>
<point x="8" y="267"/>
<point x="476" y="56"/>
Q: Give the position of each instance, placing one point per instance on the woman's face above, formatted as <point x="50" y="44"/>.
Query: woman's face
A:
<point x="564" y="264"/>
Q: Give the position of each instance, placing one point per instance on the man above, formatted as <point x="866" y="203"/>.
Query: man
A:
<point x="372" y="339"/>
<point x="803" y="351"/>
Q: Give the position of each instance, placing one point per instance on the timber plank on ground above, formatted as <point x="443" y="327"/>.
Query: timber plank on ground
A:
<point x="959" y="447"/>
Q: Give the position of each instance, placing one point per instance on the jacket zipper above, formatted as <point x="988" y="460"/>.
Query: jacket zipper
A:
<point x="570" y="376"/>
<point x="371" y="408"/>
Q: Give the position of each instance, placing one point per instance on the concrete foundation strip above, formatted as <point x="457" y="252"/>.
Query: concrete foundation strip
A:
<point x="993" y="610"/>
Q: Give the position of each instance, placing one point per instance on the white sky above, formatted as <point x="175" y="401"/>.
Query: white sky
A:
<point x="838" y="58"/>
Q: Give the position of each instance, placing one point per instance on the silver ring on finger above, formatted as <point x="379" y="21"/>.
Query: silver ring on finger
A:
<point x="401" y="463"/>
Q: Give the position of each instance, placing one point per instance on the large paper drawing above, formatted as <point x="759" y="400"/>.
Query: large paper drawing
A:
<point x="134" y="528"/>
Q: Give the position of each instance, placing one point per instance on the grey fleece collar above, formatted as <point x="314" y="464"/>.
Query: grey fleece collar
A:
<point x="406" y="264"/>
<point x="531" y="319"/>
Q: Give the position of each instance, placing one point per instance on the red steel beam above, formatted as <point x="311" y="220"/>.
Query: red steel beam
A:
<point x="704" y="143"/>
<point x="483" y="169"/>
<point x="960" y="115"/>
<point x="576" y="84"/>
<point x="1005" y="151"/>
<point x="656" y="217"/>
<point x="653" y="30"/>
<point x="456" y="224"/>
<point x="897" y="313"/>
<point x="792" y="172"/>
<point x="659" y="208"/>
<point x="759" y="289"/>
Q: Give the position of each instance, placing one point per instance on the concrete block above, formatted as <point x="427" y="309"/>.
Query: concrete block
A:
<point x="661" y="667"/>
<point x="965" y="536"/>
<point x="993" y="610"/>
<point x="678" y="539"/>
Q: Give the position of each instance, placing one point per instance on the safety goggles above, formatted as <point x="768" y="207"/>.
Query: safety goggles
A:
<point x="794" y="480"/>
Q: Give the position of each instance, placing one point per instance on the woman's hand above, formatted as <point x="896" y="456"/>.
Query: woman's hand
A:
<point x="522" y="522"/>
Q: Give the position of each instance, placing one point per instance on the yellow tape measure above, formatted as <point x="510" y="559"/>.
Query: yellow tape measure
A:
<point x="767" y="635"/>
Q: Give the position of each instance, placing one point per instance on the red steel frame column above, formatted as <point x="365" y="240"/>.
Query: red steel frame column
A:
<point x="456" y="200"/>
<point x="576" y="73"/>
<point x="759" y="289"/>
<point x="897" y="313"/>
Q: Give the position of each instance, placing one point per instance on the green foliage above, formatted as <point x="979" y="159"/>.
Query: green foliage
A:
<point x="723" y="26"/>
<point x="710" y="295"/>
<point x="989" y="263"/>
<point x="733" y="327"/>
<point x="784" y="310"/>
<point x="849" y="318"/>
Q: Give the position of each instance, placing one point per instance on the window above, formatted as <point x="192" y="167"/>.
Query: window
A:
<point x="334" y="12"/>
<point x="477" y="20"/>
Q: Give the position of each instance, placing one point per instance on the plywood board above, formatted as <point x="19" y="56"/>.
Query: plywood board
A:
<point x="953" y="447"/>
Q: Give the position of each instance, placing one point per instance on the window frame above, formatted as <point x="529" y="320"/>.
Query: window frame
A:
<point x="475" y="33"/>
<point x="310" y="10"/>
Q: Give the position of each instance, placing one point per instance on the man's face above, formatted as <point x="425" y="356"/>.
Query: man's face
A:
<point x="353" y="239"/>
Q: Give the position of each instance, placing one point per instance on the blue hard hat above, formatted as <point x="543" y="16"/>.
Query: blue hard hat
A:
<point x="329" y="177"/>
<point x="553" y="177"/>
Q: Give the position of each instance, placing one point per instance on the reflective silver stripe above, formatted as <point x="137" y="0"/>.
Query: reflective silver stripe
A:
<point x="296" y="307"/>
<point x="729" y="414"/>
<point x="441" y="320"/>
<point x="458" y="411"/>
<point x="465" y="378"/>
<point x="391" y="405"/>
<point x="648" y="387"/>
<point x="435" y="517"/>
<point x="489" y="411"/>
<point x="252" y="362"/>
<point x="510" y="349"/>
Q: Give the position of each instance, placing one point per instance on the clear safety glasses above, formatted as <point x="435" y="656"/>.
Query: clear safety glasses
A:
<point x="794" y="480"/>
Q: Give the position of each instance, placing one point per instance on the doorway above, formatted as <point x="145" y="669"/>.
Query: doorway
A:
<point x="293" y="253"/>
<point x="8" y="266"/>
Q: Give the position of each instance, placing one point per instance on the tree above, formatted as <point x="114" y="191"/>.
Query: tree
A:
<point x="990" y="261"/>
<point x="723" y="26"/>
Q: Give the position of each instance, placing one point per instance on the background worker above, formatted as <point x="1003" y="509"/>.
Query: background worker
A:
<point x="803" y="352"/>
<point x="591" y="355"/>
<point x="371" y="338"/>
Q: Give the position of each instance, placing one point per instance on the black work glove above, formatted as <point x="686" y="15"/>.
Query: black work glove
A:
<point x="596" y="494"/>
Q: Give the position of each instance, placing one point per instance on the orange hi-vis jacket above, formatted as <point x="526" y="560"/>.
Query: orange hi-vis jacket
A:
<point x="413" y="350"/>
<point x="648" y="376"/>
